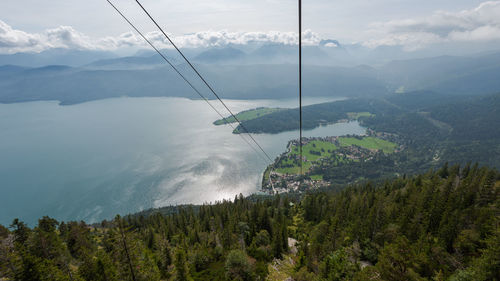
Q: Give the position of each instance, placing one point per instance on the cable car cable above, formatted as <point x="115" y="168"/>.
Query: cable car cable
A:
<point x="203" y="79"/>
<point x="181" y="75"/>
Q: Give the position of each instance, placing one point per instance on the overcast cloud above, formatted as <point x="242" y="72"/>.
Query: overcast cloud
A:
<point x="12" y="40"/>
<point x="481" y="23"/>
<point x="475" y="24"/>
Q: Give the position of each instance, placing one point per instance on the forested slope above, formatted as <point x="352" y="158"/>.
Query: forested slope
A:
<point x="441" y="225"/>
<point x="432" y="128"/>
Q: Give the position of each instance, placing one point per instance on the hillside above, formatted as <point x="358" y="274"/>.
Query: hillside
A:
<point x="424" y="130"/>
<point x="268" y="72"/>
<point x="440" y="225"/>
<point x="268" y="81"/>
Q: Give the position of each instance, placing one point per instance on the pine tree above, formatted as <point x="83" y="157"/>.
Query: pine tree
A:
<point x="182" y="273"/>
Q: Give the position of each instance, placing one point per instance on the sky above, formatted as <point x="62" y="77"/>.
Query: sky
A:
<point x="34" y="25"/>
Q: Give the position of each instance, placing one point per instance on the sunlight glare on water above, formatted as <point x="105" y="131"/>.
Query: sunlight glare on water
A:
<point x="93" y="160"/>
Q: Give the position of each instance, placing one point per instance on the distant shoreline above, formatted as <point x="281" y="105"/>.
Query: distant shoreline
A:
<point x="66" y="103"/>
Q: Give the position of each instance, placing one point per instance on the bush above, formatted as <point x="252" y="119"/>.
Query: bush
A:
<point x="238" y="267"/>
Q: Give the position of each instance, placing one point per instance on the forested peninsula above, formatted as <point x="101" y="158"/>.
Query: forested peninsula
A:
<point x="406" y="134"/>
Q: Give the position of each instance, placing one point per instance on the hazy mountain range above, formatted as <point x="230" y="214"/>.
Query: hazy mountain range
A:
<point x="242" y="72"/>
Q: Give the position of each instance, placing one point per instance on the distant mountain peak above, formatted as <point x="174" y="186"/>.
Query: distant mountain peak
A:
<point x="330" y="43"/>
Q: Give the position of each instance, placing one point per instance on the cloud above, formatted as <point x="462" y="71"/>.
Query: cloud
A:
<point x="479" y="24"/>
<point x="66" y="37"/>
<point x="222" y="38"/>
<point x="13" y="40"/>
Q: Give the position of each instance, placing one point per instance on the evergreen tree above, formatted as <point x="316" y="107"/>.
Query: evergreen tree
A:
<point x="237" y="266"/>
<point x="181" y="269"/>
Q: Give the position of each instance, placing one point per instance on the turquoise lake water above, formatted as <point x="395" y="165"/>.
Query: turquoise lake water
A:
<point x="93" y="160"/>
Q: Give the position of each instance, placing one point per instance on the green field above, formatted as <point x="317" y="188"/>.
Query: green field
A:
<point x="325" y="150"/>
<point x="248" y="115"/>
<point x="316" y="146"/>
<point x="293" y="170"/>
<point x="266" y="174"/>
<point x="316" y="177"/>
<point x="316" y="150"/>
<point x="357" y="115"/>
<point x="370" y="143"/>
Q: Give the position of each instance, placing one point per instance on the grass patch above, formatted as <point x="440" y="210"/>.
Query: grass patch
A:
<point x="267" y="172"/>
<point x="316" y="177"/>
<point x="295" y="170"/>
<point x="357" y="115"/>
<point x="369" y="143"/>
<point x="312" y="151"/>
<point x="248" y="115"/>
<point x="315" y="150"/>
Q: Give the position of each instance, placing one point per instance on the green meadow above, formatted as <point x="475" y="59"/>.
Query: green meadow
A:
<point x="313" y="148"/>
<point x="248" y="115"/>
<point x="370" y="143"/>
<point x="316" y="150"/>
<point x="357" y="115"/>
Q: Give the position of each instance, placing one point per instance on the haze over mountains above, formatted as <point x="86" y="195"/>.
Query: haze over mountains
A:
<point x="241" y="72"/>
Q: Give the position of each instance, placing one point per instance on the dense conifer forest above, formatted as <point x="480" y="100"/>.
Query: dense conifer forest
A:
<point x="441" y="225"/>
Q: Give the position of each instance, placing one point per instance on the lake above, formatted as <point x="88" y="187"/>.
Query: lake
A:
<point x="93" y="160"/>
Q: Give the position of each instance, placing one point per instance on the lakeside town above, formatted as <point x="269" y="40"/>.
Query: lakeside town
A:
<point x="287" y="175"/>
